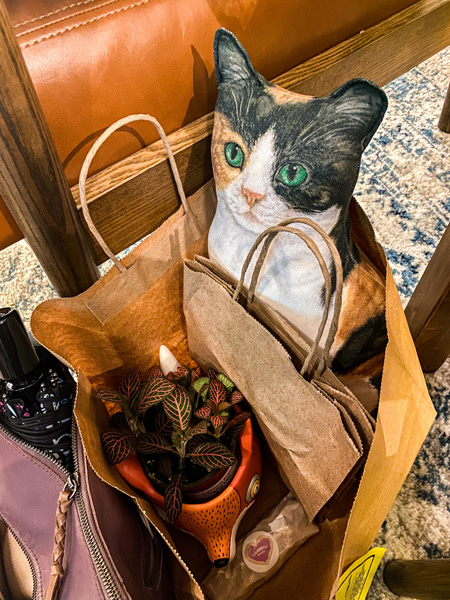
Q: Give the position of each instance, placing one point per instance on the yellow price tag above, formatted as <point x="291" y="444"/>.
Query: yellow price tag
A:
<point x="357" y="579"/>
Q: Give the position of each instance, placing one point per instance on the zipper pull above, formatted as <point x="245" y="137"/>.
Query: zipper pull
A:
<point x="64" y="501"/>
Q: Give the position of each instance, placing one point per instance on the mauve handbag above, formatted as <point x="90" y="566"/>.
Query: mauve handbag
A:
<point x="101" y="548"/>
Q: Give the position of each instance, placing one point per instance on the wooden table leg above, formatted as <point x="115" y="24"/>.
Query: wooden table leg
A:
<point x="32" y="180"/>
<point x="444" y="121"/>
<point x="419" y="579"/>
<point x="428" y="311"/>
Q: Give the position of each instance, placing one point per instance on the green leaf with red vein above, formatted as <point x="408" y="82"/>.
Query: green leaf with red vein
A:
<point x="236" y="397"/>
<point x="178" y="408"/>
<point x="212" y="455"/>
<point x="173" y="498"/>
<point x="129" y="386"/>
<point x="218" y="421"/>
<point x="152" y="443"/>
<point x="164" y="466"/>
<point x="111" y="396"/>
<point x="118" y="445"/>
<point x="153" y="392"/>
<point x="163" y="424"/>
<point x="236" y="425"/>
<point x="217" y="392"/>
<point x="200" y="428"/>
<point x="198" y="439"/>
<point x="204" y="412"/>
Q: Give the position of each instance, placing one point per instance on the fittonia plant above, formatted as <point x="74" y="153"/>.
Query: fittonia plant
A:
<point x="182" y="425"/>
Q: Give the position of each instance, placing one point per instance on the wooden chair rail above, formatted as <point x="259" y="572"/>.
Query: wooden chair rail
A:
<point x="133" y="197"/>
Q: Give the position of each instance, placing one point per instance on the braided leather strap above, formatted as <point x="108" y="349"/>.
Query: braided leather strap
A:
<point x="57" y="571"/>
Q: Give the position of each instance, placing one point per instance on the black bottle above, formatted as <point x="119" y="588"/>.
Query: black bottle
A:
<point x="36" y="390"/>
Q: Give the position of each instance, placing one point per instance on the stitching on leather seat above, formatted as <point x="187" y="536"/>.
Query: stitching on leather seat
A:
<point x="54" y="12"/>
<point x="66" y="29"/>
<point x="65" y="18"/>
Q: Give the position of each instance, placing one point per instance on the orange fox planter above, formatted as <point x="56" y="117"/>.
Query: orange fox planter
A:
<point x="214" y="523"/>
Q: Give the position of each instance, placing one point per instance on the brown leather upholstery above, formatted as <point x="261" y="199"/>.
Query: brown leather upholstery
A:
<point x="95" y="61"/>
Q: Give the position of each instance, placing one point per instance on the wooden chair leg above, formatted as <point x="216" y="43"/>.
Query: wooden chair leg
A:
<point x="444" y="120"/>
<point x="32" y="180"/>
<point x="419" y="579"/>
<point x="428" y="311"/>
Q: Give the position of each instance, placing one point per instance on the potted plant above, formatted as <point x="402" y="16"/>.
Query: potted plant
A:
<point x="183" y="440"/>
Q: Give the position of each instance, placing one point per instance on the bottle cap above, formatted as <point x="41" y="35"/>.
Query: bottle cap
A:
<point x="17" y="354"/>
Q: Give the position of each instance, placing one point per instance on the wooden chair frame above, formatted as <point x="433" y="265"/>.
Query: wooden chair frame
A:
<point x="34" y="187"/>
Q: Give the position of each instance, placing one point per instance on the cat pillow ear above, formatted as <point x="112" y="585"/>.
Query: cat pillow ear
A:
<point x="361" y="105"/>
<point x="231" y="60"/>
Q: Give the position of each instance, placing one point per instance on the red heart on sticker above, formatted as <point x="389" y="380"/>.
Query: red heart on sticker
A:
<point x="260" y="551"/>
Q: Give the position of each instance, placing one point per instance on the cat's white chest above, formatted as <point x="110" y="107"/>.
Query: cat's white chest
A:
<point x="291" y="280"/>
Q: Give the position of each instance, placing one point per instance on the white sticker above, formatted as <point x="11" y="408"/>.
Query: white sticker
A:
<point x="260" y="551"/>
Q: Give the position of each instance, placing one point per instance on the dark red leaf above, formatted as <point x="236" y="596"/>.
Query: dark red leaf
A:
<point x="155" y="372"/>
<point x="217" y="392"/>
<point x="129" y="386"/>
<point x="117" y="445"/>
<point x="152" y="443"/>
<point x="236" y="425"/>
<point x="218" y="420"/>
<point x="164" y="466"/>
<point x="203" y="412"/>
<point x="173" y="498"/>
<point x="178" y="408"/>
<point x="236" y="397"/>
<point x="212" y="373"/>
<point x="183" y="373"/>
<point x="200" y="428"/>
<point x="194" y="375"/>
<point x="212" y="455"/>
<point x="163" y="424"/>
<point x="111" y="396"/>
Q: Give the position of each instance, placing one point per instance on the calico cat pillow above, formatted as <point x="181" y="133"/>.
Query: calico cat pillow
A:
<point x="278" y="155"/>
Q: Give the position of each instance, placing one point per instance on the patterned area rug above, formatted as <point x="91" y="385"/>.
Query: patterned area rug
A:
<point x="405" y="189"/>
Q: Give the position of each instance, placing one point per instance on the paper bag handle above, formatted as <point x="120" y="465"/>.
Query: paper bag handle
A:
<point x="270" y="234"/>
<point x="87" y="163"/>
<point x="339" y="283"/>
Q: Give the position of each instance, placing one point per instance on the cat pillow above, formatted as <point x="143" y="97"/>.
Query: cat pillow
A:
<point x="277" y="155"/>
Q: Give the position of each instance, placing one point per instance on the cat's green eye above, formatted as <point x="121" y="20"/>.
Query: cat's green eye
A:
<point x="234" y="155"/>
<point x="292" y="174"/>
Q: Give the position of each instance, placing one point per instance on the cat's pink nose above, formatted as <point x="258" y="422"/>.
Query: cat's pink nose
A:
<point x="252" y="197"/>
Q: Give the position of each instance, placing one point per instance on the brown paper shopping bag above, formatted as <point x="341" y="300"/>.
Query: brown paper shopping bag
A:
<point x="316" y="428"/>
<point x="118" y="325"/>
